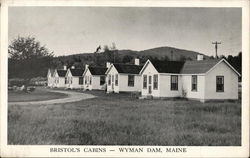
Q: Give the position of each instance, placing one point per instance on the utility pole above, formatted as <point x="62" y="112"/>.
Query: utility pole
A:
<point x="216" y="47"/>
<point x="172" y="57"/>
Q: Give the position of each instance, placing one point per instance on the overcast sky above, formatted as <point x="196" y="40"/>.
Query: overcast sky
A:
<point x="73" y="30"/>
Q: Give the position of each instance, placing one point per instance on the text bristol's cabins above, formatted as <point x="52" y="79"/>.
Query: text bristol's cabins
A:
<point x="74" y="79"/>
<point x="202" y="79"/>
<point x="124" y="77"/>
<point x="94" y="78"/>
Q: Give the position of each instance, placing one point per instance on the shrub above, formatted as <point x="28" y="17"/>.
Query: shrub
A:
<point x="17" y="82"/>
<point x="183" y="93"/>
<point x="38" y="81"/>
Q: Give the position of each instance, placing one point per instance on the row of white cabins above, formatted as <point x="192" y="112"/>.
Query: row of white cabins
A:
<point x="203" y="80"/>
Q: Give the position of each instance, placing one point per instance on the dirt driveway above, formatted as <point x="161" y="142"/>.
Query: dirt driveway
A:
<point x="71" y="97"/>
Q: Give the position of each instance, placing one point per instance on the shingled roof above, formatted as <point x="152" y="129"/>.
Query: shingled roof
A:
<point x="61" y="73"/>
<point x="168" y="66"/>
<point x="128" y="68"/>
<point x="196" y="67"/>
<point x="188" y="67"/>
<point x="97" y="70"/>
<point x="76" y="72"/>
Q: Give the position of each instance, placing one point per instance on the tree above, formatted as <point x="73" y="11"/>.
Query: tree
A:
<point x="127" y="59"/>
<point x="107" y="53"/>
<point x="28" y="59"/>
<point x="236" y="61"/>
<point x="111" y="54"/>
<point x="211" y="57"/>
<point x="182" y="58"/>
<point x="27" y="48"/>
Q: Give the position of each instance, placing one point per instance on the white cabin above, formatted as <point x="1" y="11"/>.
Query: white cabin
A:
<point x="59" y="76"/>
<point x="50" y="78"/>
<point x="123" y="78"/>
<point x="200" y="80"/>
<point x="94" y="78"/>
<point x="74" y="79"/>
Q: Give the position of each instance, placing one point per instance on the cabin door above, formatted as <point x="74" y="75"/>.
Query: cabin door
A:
<point x="149" y="84"/>
<point x="112" y="82"/>
<point x="87" y="81"/>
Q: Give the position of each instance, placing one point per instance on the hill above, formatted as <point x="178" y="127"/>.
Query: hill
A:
<point x="161" y="52"/>
<point x="125" y="56"/>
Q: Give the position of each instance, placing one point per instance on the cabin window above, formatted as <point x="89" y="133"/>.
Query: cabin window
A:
<point x="65" y="80"/>
<point x="80" y="80"/>
<point x="155" y="82"/>
<point x="219" y="83"/>
<point x="174" y="82"/>
<point x="144" y="81"/>
<point x="194" y="83"/>
<point x="109" y="79"/>
<point x="102" y="80"/>
<point x="90" y="80"/>
<point x="116" y="79"/>
<point x="131" y="80"/>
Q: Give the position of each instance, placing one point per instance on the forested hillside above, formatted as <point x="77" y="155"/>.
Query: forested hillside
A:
<point x="125" y="56"/>
<point x="28" y="59"/>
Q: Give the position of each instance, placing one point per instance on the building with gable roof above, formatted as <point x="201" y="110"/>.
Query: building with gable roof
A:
<point x="202" y="80"/>
<point x="124" y="77"/>
<point x="94" y="78"/>
<point x="50" y="78"/>
<point x="59" y="76"/>
<point x="74" y="79"/>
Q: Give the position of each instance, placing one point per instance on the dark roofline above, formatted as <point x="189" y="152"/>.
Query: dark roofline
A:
<point x="211" y="64"/>
<point x="119" y="67"/>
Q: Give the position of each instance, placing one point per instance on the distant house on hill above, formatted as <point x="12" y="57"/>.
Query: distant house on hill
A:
<point x="201" y="79"/>
<point x="74" y="79"/>
<point x="94" y="78"/>
<point x="50" y="78"/>
<point x="124" y="77"/>
<point x="59" y="76"/>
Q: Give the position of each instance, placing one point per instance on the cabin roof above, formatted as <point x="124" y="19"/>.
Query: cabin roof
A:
<point x="168" y="66"/>
<point x="76" y="72"/>
<point x="201" y="66"/>
<point x="187" y="67"/>
<point x="97" y="70"/>
<point x="128" y="68"/>
<point x="61" y="73"/>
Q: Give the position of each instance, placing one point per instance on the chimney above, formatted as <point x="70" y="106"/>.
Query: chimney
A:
<point x="72" y="67"/>
<point x="86" y="66"/>
<point x="137" y="61"/>
<point x="199" y="57"/>
<point x="64" y="67"/>
<point x="108" y="64"/>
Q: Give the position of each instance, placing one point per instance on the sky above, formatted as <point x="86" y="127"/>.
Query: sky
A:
<point x="74" y="30"/>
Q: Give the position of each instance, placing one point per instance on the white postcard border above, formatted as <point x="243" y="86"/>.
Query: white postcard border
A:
<point x="192" y="151"/>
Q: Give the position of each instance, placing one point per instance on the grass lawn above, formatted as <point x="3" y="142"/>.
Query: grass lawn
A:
<point x="117" y="119"/>
<point x="38" y="95"/>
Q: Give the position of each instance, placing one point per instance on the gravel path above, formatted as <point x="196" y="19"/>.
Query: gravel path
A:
<point x="72" y="97"/>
